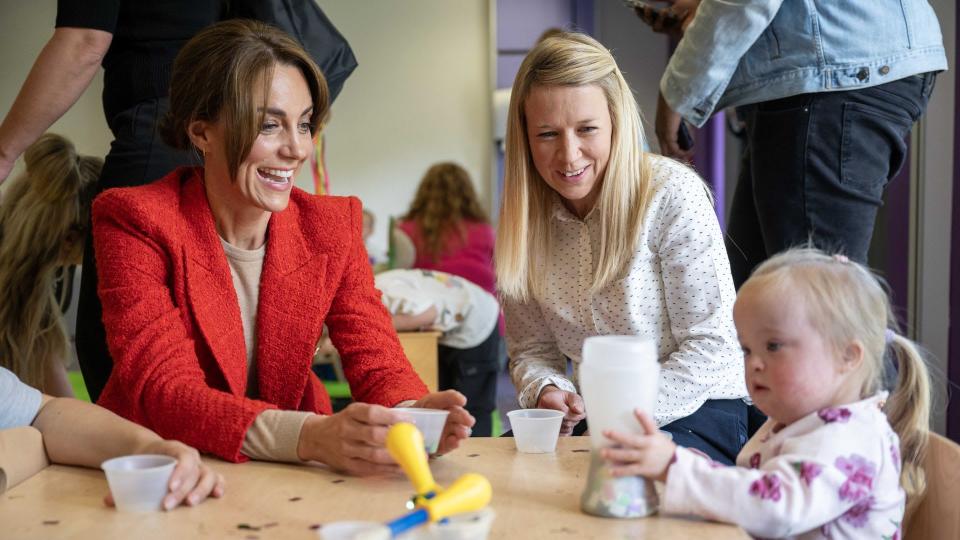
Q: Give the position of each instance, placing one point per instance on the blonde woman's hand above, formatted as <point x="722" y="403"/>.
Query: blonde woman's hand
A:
<point x="192" y="480"/>
<point x="570" y="403"/>
<point x="648" y="455"/>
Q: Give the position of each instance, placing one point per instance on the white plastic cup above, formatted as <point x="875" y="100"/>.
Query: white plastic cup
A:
<point x="617" y="375"/>
<point x="535" y="430"/>
<point x="354" y="530"/>
<point x="430" y="422"/>
<point x="466" y="526"/>
<point x="139" y="483"/>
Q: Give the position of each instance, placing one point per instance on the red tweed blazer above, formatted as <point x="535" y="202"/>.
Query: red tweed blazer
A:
<point x="173" y="320"/>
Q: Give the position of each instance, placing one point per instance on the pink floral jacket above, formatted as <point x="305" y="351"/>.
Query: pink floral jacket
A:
<point x="833" y="474"/>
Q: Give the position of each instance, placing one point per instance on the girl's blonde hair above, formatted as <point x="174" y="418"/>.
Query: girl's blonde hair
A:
<point x="444" y="199"/>
<point x="847" y="303"/>
<point x="524" y="233"/>
<point x="40" y="210"/>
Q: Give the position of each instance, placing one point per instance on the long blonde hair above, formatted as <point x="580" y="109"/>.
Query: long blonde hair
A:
<point x="444" y="200"/>
<point x="848" y="303"/>
<point x="40" y="210"/>
<point x="524" y="233"/>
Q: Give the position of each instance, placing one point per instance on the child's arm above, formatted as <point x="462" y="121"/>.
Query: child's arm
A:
<point x="790" y="494"/>
<point x="78" y="433"/>
<point x="406" y="323"/>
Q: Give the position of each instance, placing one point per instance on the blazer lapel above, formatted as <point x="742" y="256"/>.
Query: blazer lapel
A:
<point x="210" y="290"/>
<point x="291" y="310"/>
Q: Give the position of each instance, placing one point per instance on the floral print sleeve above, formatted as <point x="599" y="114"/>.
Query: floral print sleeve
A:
<point x="833" y="477"/>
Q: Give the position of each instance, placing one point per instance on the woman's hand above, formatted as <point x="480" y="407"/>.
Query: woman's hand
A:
<point x="352" y="440"/>
<point x="647" y="455"/>
<point x="191" y="482"/>
<point x="459" y="421"/>
<point x="672" y="20"/>
<point x="570" y="403"/>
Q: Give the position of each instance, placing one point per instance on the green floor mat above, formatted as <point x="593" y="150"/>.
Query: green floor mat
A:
<point x="79" y="388"/>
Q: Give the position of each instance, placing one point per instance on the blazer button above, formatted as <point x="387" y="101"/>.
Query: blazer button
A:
<point x="863" y="74"/>
<point x="884" y="70"/>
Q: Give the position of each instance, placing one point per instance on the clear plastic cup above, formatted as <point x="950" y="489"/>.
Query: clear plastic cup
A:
<point x="139" y="483"/>
<point x="430" y="422"/>
<point x="354" y="530"/>
<point x="535" y="430"/>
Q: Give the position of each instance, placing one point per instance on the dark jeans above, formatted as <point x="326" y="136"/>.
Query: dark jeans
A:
<point x="719" y="429"/>
<point x="814" y="169"/>
<point x="137" y="156"/>
<point x="473" y="373"/>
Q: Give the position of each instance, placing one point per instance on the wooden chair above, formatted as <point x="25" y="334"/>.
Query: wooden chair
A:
<point x="938" y="515"/>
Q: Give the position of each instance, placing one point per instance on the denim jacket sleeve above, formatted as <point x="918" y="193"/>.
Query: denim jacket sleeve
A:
<point x="708" y="55"/>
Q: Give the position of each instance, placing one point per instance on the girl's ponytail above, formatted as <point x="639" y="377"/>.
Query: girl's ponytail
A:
<point x="908" y="410"/>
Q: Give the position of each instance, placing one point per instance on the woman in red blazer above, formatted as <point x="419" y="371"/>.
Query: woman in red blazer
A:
<point x="216" y="280"/>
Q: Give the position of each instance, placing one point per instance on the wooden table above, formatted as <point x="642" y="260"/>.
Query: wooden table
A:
<point x="421" y="349"/>
<point x="534" y="496"/>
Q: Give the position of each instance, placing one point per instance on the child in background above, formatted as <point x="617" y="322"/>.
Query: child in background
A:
<point x="77" y="433"/>
<point x="374" y="253"/>
<point x="826" y="464"/>
<point x="467" y="315"/>
<point x="43" y="217"/>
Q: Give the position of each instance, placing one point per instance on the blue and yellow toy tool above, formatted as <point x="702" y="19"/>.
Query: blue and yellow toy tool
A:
<point x="405" y="444"/>
<point x="470" y="493"/>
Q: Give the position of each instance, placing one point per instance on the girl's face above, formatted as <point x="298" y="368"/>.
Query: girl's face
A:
<point x="265" y="177"/>
<point x="791" y="369"/>
<point x="569" y="130"/>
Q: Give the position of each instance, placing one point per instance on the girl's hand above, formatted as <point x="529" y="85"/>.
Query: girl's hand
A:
<point x="191" y="482"/>
<point x="648" y="455"/>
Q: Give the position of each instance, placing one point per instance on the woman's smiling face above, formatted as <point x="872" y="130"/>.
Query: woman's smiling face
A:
<point x="569" y="131"/>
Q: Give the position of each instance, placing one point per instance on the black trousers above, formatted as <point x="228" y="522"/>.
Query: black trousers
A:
<point x="473" y="373"/>
<point x="814" y="169"/>
<point x="137" y="156"/>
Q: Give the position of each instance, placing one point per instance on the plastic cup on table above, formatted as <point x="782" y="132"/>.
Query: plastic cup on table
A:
<point x="354" y="530"/>
<point x="535" y="430"/>
<point x="466" y="526"/>
<point x="430" y="422"/>
<point x="139" y="483"/>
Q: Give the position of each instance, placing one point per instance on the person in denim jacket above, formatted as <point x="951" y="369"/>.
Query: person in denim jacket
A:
<point x="828" y="90"/>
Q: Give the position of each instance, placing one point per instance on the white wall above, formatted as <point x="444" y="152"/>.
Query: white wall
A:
<point x="24" y="29"/>
<point x="641" y="54"/>
<point x="421" y="94"/>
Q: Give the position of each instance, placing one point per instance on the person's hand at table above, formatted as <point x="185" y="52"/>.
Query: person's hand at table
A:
<point x="570" y="403"/>
<point x="459" y="421"/>
<point x="667" y="125"/>
<point x="192" y="480"/>
<point x="648" y="455"/>
<point x="352" y="440"/>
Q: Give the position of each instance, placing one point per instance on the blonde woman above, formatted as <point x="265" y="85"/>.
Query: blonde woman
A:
<point x="43" y="216"/>
<point x="597" y="237"/>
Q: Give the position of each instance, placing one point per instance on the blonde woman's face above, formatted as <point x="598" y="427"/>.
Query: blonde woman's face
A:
<point x="569" y="130"/>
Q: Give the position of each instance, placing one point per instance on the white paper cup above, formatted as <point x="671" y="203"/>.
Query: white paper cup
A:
<point x="139" y="483"/>
<point x="535" y="430"/>
<point x="354" y="530"/>
<point x="430" y="422"/>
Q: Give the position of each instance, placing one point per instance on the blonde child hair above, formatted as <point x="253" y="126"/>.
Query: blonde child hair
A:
<point x="524" y="232"/>
<point x="43" y="217"/>
<point x="847" y="303"/>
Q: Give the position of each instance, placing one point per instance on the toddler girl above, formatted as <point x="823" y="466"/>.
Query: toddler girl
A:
<point x="827" y="463"/>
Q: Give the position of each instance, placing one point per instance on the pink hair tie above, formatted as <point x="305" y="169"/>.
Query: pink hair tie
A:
<point x="841" y="258"/>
